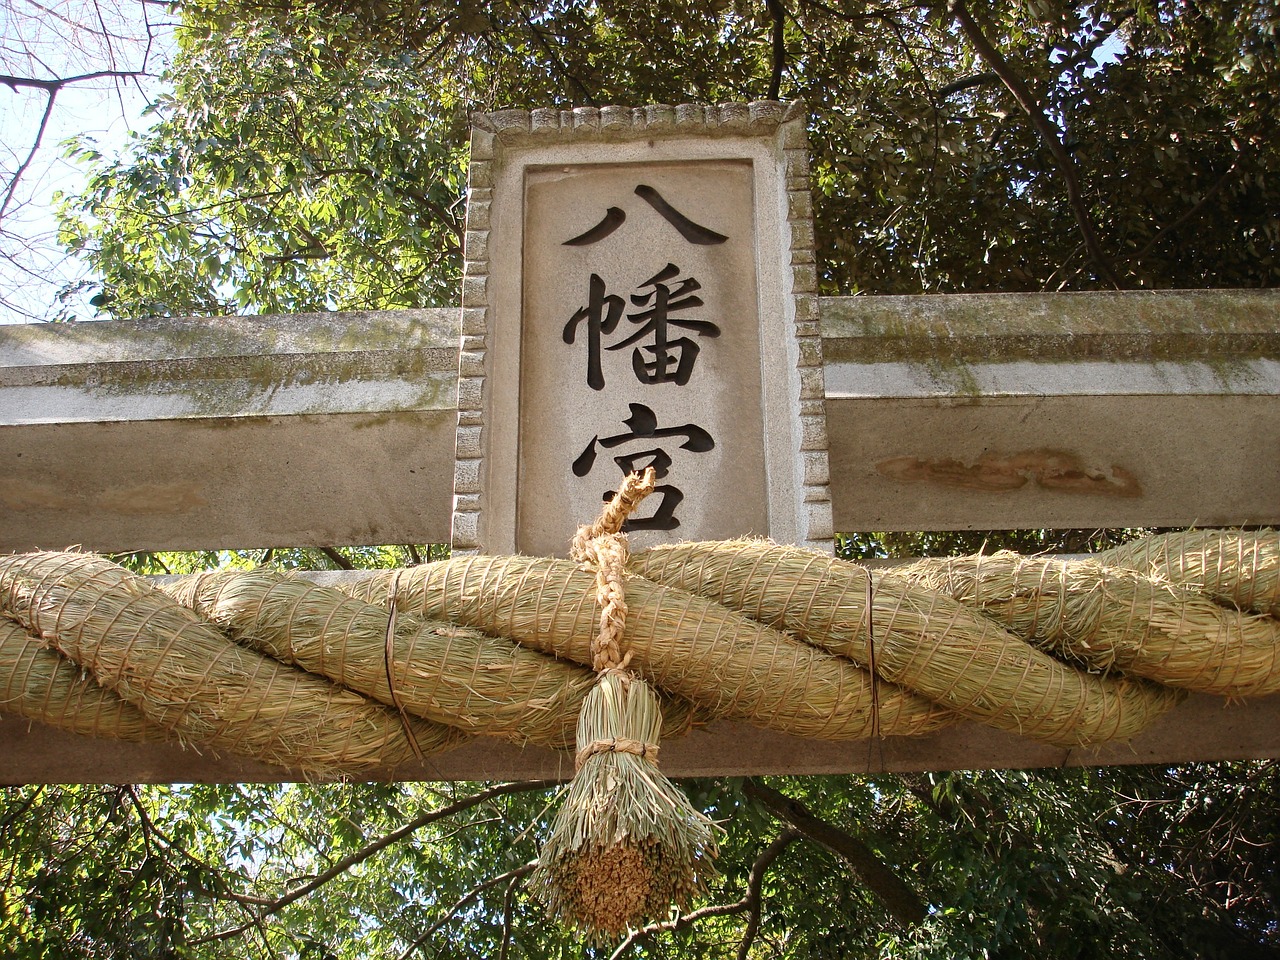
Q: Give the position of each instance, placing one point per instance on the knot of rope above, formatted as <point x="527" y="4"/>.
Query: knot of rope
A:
<point x="645" y="751"/>
<point x="602" y="546"/>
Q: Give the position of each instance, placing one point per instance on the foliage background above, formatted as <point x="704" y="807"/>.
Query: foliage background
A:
<point x="313" y="156"/>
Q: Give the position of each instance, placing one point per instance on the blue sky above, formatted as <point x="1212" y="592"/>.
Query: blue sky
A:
<point x="46" y="40"/>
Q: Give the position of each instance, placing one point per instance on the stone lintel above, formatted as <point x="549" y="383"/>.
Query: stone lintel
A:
<point x="340" y="429"/>
<point x="1202" y="728"/>
<point x="177" y="434"/>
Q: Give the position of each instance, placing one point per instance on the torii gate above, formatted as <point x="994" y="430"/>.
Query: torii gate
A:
<point x="942" y="412"/>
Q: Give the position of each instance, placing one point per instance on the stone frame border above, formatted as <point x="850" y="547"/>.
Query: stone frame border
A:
<point x="495" y="131"/>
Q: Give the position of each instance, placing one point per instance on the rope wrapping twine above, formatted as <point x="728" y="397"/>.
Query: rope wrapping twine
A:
<point x="645" y="751"/>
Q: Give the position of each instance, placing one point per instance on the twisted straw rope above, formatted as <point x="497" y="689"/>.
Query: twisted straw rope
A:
<point x="161" y="669"/>
<point x="603" y="546"/>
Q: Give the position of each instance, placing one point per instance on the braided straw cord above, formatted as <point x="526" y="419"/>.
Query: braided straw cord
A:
<point x="1107" y="617"/>
<point x="601" y="546"/>
<point x="187" y="677"/>
<point x="731" y="666"/>
<point x="924" y="641"/>
<point x="1235" y="567"/>
<point x="626" y="843"/>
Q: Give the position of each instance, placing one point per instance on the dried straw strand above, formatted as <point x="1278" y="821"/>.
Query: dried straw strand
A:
<point x="1111" y="617"/>
<point x="924" y="641"/>
<point x="626" y="843"/>
<point x="1235" y="567"/>
<point x="187" y="677"/>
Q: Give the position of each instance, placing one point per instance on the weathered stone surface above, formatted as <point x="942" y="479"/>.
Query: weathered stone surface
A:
<point x="712" y="287"/>
<point x="657" y="243"/>
<point x="1219" y="327"/>
<point x="1201" y="728"/>
<point x="1067" y="410"/>
<point x="179" y="433"/>
<point x="339" y="429"/>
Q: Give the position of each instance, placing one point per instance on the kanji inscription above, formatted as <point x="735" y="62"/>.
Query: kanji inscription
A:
<point x="640" y="346"/>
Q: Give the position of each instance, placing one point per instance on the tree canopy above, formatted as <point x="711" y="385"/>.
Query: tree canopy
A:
<point x="313" y="156"/>
<point x="1115" y="861"/>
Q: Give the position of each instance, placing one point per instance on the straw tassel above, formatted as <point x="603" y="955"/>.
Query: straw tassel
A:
<point x="626" y="844"/>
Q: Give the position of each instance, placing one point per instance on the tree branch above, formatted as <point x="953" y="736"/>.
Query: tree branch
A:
<point x="508" y="912"/>
<point x="317" y="252"/>
<point x="779" y="14"/>
<point x="12" y="188"/>
<point x="57" y="83"/>
<point x="752" y="900"/>
<point x="151" y="829"/>
<point x="903" y="904"/>
<point x="967" y="83"/>
<point x="341" y="562"/>
<point x="367" y="851"/>
<point x="1048" y="131"/>
<point x="511" y="876"/>
<point x="1190" y="212"/>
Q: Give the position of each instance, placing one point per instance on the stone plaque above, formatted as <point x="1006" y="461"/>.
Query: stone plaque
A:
<point x="639" y="291"/>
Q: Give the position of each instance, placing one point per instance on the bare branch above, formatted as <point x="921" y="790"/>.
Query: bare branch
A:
<point x="903" y="903"/>
<point x="1047" y="130"/>
<point x="51" y="87"/>
<point x="367" y="851"/>
<point x="779" y="15"/>
<point x="57" y="83"/>
<point x="35" y="148"/>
